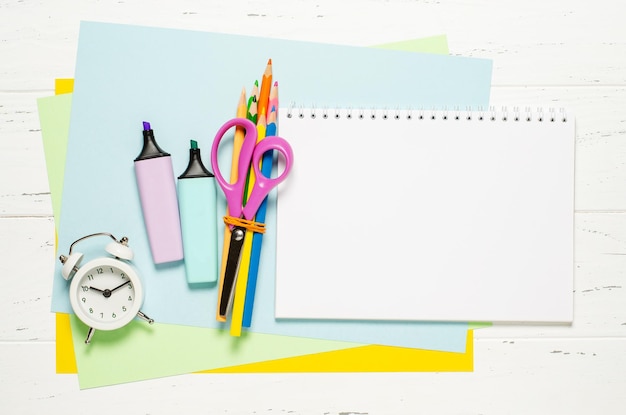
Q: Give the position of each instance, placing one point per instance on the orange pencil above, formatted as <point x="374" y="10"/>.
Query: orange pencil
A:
<point x="266" y="84"/>
<point x="238" y="140"/>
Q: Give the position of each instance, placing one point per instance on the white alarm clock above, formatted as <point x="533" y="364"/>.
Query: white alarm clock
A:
<point x="106" y="292"/>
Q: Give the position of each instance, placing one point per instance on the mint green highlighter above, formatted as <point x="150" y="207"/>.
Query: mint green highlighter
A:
<point x="198" y="218"/>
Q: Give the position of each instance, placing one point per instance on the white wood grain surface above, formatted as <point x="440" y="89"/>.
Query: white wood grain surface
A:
<point x="559" y="53"/>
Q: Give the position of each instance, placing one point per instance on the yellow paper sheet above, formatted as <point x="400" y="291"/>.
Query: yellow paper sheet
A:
<point x="370" y="358"/>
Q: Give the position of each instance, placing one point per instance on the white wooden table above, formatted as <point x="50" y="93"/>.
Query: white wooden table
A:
<point x="562" y="53"/>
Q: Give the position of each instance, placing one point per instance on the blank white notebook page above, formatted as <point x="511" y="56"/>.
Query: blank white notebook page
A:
<point x="423" y="215"/>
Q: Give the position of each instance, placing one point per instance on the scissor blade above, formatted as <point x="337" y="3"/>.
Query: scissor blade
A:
<point x="232" y="265"/>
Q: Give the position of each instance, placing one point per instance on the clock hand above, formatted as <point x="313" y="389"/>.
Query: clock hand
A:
<point x="106" y="293"/>
<point x="120" y="286"/>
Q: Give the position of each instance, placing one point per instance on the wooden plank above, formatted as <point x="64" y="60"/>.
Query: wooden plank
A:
<point x="564" y="376"/>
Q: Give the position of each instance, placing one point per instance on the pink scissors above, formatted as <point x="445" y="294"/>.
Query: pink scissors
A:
<point x="250" y="155"/>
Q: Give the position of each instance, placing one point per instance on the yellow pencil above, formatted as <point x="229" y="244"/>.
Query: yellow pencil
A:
<point x="241" y="283"/>
<point x="238" y="140"/>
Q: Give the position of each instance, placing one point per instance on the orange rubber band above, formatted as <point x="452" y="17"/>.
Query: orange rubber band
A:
<point x="250" y="225"/>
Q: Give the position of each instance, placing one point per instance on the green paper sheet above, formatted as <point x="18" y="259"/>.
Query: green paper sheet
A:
<point x="433" y="44"/>
<point x="141" y="351"/>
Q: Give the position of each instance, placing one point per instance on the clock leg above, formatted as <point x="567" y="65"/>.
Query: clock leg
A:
<point x="144" y="317"/>
<point x="90" y="335"/>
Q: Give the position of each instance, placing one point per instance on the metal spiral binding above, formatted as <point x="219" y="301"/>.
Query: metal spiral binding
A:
<point x="478" y="114"/>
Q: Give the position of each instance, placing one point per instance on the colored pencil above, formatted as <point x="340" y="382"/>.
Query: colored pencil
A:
<point x="244" y="110"/>
<point x="252" y="115"/>
<point x="257" y="112"/>
<point x="252" y="111"/>
<point x="257" y="239"/>
<point x="237" y="142"/>
<point x="241" y="284"/>
<point x="266" y="85"/>
<point x="272" y="105"/>
<point x="261" y="105"/>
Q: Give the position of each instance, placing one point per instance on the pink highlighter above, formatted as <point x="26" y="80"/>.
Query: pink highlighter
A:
<point x="157" y="191"/>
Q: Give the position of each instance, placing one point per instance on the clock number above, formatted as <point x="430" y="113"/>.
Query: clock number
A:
<point x="123" y="308"/>
<point x="90" y="277"/>
<point x="85" y="288"/>
<point x="130" y="298"/>
<point x="99" y="270"/>
<point x="101" y="315"/>
<point x="113" y="315"/>
<point x="84" y="300"/>
<point x="130" y="286"/>
<point x="112" y="271"/>
<point x="91" y="310"/>
<point x="123" y="276"/>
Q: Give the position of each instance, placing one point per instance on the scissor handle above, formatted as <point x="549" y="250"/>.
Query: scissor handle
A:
<point x="263" y="184"/>
<point x="250" y="153"/>
<point x="234" y="191"/>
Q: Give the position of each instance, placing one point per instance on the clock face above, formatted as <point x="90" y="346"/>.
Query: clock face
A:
<point x="106" y="293"/>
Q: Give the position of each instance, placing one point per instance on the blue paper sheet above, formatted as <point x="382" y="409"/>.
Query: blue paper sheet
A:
<point x="186" y="84"/>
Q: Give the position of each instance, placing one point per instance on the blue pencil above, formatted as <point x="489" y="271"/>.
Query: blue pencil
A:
<point x="257" y="238"/>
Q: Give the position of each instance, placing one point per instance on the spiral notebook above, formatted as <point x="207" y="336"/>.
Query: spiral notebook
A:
<point x="427" y="215"/>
